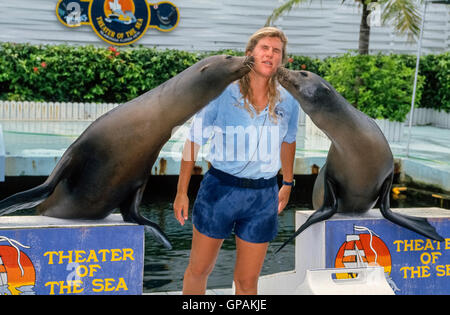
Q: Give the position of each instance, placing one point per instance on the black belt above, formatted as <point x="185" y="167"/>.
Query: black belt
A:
<point x="242" y="182"/>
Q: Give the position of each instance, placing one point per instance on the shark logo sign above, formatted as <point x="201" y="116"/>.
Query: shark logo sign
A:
<point x="118" y="22"/>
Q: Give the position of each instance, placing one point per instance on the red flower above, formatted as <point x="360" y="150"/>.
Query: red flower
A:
<point x="43" y="64"/>
<point x="113" y="49"/>
<point x="35" y="69"/>
<point x="291" y="60"/>
<point x="303" y="66"/>
<point x="117" y="53"/>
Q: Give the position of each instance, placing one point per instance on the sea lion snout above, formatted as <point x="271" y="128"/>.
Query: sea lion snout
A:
<point x="216" y="72"/>
<point x="249" y="62"/>
<point x="282" y="76"/>
<point x="290" y="80"/>
<point x="292" y="76"/>
<point x="282" y="73"/>
<point x="306" y="87"/>
<point x="239" y="65"/>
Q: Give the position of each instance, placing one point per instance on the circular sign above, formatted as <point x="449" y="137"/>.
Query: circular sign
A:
<point x="119" y="22"/>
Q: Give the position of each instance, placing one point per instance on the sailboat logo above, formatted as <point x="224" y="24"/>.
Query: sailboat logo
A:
<point x="17" y="272"/>
<point x="364" y="248"/>
<point x="119" y="11"/>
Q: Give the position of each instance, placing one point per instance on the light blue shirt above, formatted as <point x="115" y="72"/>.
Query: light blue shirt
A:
<point x="243" y="145"/>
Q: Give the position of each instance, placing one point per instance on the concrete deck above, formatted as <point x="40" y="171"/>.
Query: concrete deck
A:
<point x="32" y="148"/>
<point x="227" y="291"/>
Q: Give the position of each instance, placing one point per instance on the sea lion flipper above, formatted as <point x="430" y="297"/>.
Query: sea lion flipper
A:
<point x="130" y="213"/>
<point x="319" y="188"/>
<point x="325" y="212"/>
<point x="35" y="196"/>
<point x="25" y="200"/>
<point x="416" y="224"/>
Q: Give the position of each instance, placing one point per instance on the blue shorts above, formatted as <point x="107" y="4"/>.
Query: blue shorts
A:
<point x="221" y="206"/>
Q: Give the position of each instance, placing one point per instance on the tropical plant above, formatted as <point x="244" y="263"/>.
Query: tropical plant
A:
<point x="378" y="85"/>
<point x="115" y="75"/>
<point x="403" y="15"/>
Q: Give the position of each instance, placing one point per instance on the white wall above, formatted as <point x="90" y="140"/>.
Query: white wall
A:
<point x="323" y="28"/>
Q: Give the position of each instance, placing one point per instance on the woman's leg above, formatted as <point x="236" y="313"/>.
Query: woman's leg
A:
<point x="203" y="257"/>
<point x="249" y="261"/>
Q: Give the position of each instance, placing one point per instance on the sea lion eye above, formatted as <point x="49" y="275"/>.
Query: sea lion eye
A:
<point x="228" y="57"/>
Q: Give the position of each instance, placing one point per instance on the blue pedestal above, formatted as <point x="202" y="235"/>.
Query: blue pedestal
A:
<point x="48" y="256"/>
<point x="412" y="264"/>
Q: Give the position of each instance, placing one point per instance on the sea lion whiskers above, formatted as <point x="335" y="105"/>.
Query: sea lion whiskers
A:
<point x="250" y="63"/>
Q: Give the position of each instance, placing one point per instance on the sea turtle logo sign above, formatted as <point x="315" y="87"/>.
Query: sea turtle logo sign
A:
<point x="118" y="22"/>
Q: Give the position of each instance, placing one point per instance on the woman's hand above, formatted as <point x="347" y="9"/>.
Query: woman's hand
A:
<point x="181" y="207"/>
<point x="283" y="197"/>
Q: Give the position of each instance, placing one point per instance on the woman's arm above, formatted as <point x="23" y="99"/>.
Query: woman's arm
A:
<point x="287" y="156"/>
<point x="181" y="203"/>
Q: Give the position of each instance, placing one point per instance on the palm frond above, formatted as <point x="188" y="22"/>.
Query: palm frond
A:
<point x="404" y="16"/>
<point x="286" y="7"/>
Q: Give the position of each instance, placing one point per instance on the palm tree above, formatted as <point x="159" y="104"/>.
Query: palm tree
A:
<point x="403" y="15"/>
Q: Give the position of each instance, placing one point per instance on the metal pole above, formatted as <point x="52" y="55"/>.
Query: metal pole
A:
<point x="411" y="113"/>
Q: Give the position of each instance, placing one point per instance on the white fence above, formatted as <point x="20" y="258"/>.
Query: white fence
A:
<point x="49" y="111"/>
<point x="11" y="110"/>
<point x="393" y="130"/>
<point x="314" y="137"/>
<point x="429" y="116"/>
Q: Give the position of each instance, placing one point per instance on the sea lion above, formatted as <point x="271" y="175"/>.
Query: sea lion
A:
<point x="359" y="168"/>
<point x="107" y="167"/>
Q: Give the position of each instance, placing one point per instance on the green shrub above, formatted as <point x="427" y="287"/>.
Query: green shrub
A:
<point x="436" y="69"/>
<point x="305" y="63"/>
<point x="85" y="74"/>
<point x="378" y="85"/>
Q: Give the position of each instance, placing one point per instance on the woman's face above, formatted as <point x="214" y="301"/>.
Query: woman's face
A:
<point x="268" y="54"/>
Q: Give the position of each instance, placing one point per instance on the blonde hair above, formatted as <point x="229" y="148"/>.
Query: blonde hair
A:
<point x="244" y="82"/>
